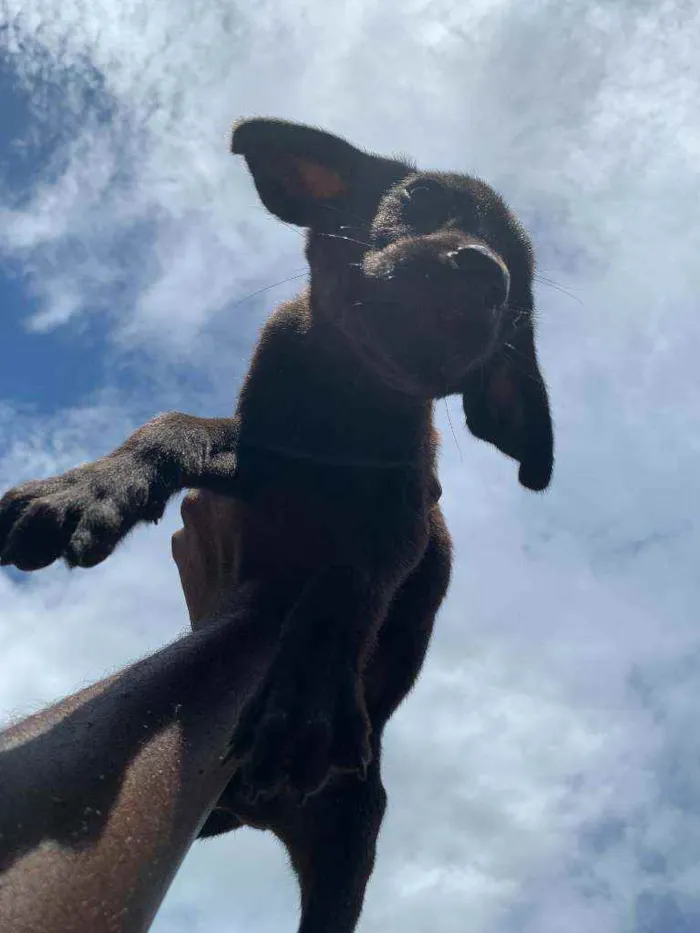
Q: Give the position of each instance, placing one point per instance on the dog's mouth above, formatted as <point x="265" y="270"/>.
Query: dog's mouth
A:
<point x="379" y="359"/>
<point x="422" y="361"/>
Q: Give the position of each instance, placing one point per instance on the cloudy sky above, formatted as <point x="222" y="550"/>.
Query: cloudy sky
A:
<point x="545" y="775"/>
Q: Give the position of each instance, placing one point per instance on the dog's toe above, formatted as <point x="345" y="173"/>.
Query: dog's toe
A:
<point x="96" y="535"/>
<point x="12" y="505"/>
<point x="39" y="535"/>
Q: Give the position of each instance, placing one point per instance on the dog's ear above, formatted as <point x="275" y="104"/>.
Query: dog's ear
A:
<point x="505" y="402"/>
<point x="304" y="175"/>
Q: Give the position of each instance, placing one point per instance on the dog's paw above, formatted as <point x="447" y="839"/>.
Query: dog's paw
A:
<point x="297" y="730"/>
<point x="80" y="516"/>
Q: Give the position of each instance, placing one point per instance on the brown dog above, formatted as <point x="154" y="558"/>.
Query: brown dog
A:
<point x="421" y="287"/>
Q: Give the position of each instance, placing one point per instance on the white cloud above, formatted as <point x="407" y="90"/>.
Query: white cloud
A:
<point x="543" y="776"/>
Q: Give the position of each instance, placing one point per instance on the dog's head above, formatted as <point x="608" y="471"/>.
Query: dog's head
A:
<point x="428" y="275"/>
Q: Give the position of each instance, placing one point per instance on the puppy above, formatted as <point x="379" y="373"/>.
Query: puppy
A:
<point x="420" y="288"/>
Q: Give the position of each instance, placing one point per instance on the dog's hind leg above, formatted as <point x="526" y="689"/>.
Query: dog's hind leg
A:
<point x="332" y="842"/>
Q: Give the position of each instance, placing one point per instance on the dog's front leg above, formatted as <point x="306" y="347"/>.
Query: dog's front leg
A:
<point x="310" y="717"/>
<point x="84" y="513"/>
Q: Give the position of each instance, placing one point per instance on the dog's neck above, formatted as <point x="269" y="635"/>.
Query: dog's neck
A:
<point x="309" y="396"/>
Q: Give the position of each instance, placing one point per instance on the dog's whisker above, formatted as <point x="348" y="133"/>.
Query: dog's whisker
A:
<point x="339" y="236"/>
<point x="454" y="436"/>
<point x="292" y="227"/>
<point x="353" y="227"/>
<point x="266" y="288"/>
<point x="523" y="372"/>
<point x="558" y="288"/>
<point x="542" y="276"/>
<point x="523" y="316"/>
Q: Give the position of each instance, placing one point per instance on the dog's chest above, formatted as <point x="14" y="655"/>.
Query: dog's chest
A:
<point x="301" y="515"/>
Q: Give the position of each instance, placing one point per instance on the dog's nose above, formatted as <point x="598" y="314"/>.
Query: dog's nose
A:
<point x="485" y="270"/>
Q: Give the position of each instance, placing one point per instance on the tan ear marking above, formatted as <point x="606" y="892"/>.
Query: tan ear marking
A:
<point x="320" y="182"/>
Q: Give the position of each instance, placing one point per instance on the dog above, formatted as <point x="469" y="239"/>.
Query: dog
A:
<point x="421" y="287"/>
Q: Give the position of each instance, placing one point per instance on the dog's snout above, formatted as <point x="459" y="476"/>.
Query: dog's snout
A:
<point x="486" y="271"/>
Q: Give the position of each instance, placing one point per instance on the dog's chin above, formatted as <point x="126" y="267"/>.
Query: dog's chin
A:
<point x="416" y="383"/>
<point x="389" y="372"/>
<point x="396" y="377"/>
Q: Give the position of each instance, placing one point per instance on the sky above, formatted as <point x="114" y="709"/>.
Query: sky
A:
<point x="544" y="776"/>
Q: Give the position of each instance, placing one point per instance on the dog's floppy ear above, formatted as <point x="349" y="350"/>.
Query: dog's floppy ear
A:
<point x="302" y="174"/>
<point x="505" y="402"/>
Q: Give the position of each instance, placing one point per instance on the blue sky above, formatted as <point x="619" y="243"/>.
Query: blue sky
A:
<point x="545" y="774"/>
